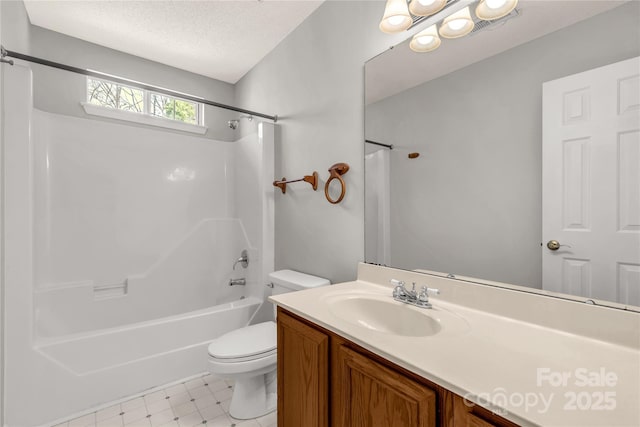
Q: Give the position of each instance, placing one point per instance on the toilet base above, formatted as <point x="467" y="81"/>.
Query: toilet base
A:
<point x="254" y="397"/>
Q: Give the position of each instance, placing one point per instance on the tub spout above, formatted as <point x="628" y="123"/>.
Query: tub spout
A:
<point x="236" y="282"/>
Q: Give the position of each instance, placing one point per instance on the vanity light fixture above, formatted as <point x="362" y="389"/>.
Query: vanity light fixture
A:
<point x="494" y="9"/>
<point x="426" y="40"/>
<point x="426" y="7"/>
<point x="400" y="16"/>
<point x="457" y="25"/>
<point x="396" y="17"/>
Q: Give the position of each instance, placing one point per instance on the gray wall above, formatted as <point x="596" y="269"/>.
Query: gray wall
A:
<point x="314" y="80"/>
<point x="471" y="204"/>
<point x="60" y="92"/>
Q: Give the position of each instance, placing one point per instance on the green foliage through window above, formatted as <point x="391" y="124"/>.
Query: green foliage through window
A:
<point x="172" y="108"/>
<point x="114" y="95"/>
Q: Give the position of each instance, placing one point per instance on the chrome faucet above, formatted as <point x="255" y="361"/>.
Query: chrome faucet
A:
<point x="402" y="294"/>
<point x="236" y="282"/>
<point x="243" y="260"/>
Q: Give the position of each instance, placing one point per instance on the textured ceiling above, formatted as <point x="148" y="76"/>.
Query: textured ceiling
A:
<point x="218" y="39"/>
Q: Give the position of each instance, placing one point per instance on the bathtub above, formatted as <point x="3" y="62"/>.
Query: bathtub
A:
<point x="87" y="370"/>
<point x="116" y="348"/>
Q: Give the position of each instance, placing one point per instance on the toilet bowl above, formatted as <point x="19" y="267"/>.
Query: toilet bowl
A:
<point x="248" y="355"/>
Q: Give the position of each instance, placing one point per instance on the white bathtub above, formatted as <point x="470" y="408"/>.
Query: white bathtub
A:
<point x="86" y="370"/>
<point x="156" y="340"/>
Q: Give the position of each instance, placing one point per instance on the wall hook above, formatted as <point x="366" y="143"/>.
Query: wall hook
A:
<point x="335" y="172"/>
<point x="3" y="53"/>
<point x="311" y="179"/>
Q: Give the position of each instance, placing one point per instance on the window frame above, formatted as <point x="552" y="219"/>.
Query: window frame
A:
<point x="145" y="116"/>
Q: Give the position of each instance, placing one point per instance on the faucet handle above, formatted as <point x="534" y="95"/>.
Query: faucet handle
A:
<point x="423" y="297"/>
<point x="398" y="290"/>
<point x="243" y="260"/>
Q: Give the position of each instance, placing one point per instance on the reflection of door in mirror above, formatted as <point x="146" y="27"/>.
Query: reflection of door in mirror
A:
<point x="471" y="204"/>
<point x="591" y="183"/>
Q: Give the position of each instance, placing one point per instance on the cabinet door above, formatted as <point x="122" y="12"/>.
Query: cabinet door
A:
<point x="473" y="421"/>
<point x="371" y="395"/>
<point x="303" y="374"/>
<point x="469" y="415"/>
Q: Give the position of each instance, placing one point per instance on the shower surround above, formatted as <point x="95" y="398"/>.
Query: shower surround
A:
<point x="119" y="247"/>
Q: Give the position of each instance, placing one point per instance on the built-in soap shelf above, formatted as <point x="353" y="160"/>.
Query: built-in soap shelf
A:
<point x="110" y="290"/>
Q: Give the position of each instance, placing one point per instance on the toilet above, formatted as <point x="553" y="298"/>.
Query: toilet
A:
<point x="248" y="355"/>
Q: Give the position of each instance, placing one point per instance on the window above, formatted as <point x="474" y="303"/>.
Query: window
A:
<point x="173" y="108"/>
<point x="113" y="95"/>
<point x="126" y="98"/>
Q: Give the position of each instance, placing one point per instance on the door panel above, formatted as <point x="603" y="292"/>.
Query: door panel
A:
<point x="591" y="183"/>
<point x="375" y="396"/>
<point x="303" y="374"/>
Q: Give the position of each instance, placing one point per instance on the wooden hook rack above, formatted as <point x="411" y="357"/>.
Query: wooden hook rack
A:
<point x="311" y="179"/>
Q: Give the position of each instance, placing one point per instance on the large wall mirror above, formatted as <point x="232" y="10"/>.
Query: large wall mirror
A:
<point x="512" y="154"/>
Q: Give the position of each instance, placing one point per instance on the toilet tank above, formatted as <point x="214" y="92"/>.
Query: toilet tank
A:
<point x="288" y="281"/>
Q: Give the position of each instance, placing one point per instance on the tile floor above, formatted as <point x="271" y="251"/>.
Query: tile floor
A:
<point x="197" y="402"/>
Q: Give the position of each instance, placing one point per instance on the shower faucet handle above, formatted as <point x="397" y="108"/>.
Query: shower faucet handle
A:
<point x="243" y="260"/>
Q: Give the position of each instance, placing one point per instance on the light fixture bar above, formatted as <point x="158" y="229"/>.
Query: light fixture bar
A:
<point x="426" y="7"/>
<point x="426" y="21"/>
<point x="417" y="20"/>
<point x="481" y="24"/>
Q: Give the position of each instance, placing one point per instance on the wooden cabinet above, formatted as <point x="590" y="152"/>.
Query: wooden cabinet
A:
<point x="303" y="374"/>
<point x="370" y="394"/>
<point x="467" y="415"/>
<point x="326" y="380"/>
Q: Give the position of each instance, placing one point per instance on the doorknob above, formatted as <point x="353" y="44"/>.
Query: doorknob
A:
<point x="554" y="245"/>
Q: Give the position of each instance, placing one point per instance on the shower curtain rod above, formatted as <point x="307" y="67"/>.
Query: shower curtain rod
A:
<point x="92" y="73"/>
<point x="389" y="146"/>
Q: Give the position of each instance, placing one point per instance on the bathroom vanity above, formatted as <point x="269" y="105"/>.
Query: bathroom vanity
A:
<point x="344" y="384"/>
<point x="349" y="355"/>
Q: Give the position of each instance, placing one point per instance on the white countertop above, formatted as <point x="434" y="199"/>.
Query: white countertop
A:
<point x="506" y="365"/>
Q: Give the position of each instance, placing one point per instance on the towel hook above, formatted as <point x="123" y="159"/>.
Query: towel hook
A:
<point x="3" y="53"/>
<point x="335" y="172"/>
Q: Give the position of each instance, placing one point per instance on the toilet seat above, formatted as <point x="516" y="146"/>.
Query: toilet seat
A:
<point x="245" y="358"/>
<point x="245" y="344"/>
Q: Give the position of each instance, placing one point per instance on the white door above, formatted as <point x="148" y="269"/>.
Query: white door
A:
<point x="591" y="183"/>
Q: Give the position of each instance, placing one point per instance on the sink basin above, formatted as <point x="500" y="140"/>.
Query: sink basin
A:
<point x="384" y="315"/>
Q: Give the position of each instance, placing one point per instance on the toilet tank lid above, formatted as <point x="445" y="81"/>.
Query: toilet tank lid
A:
<point x="296" y="280"/>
